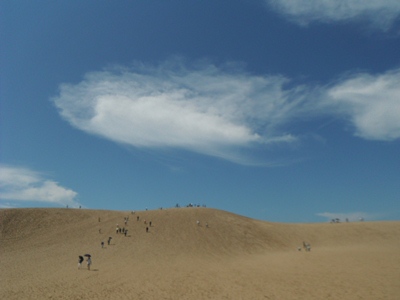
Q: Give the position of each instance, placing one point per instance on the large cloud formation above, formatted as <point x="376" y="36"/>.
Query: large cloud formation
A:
<point x="382" y="13"/>
<point x="204" y="110"/>
<point x="220" y="112"/>
<point x="22" y="184"/>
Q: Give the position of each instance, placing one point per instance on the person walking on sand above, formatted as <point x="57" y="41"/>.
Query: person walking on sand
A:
<point x="89" y="262"/>
<point x="109" y="240"/>
<point x="80" y="260"/>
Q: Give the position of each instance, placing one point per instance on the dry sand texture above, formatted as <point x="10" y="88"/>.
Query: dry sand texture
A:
<point x="234" y="258"/>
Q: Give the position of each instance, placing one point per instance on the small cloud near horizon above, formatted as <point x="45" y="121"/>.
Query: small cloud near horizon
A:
<point x="7" y="205"/>
<point x="22" y="184"/>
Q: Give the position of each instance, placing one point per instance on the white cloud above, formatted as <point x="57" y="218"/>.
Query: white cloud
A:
<point x="222" y="113"/>
<point x="381" y="13"/>
<point x="372" y="104"/>
<point x="6" y="205"/>
<point x="205" y="110"/>
<point x="21" y="184"/>
<point x="355" y="216"/>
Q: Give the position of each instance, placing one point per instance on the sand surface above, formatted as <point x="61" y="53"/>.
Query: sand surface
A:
<point x="233" y="258"/>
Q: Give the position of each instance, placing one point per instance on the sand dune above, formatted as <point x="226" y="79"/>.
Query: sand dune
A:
<point x="233" y="258"/>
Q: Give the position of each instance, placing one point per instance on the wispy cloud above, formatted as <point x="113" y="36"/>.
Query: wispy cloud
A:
<point x="381" y="14"/>
<point x="371" y="103"/>
<point x="22" y="184"/>
<point x="222" y="112"/>
<point x="6" y="205"/>
<point x="354" y="216"/>
<point x="206" y="110"/>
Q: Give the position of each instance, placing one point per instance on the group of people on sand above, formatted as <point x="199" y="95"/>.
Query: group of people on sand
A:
<point x="119" y="230"/>
<point x="122" y="230"/>
<point x="191" y="205"/>
<point x="88" y="261"/>
<point x="306" y="246"/>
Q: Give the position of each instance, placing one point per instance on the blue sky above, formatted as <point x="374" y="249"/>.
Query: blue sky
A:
<point x="278" y="110"/>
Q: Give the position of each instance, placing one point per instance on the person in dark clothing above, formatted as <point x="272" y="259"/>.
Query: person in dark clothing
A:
<point x="80" y="260"/>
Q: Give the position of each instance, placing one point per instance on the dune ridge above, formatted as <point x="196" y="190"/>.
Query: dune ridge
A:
<point x="234" y="257"/>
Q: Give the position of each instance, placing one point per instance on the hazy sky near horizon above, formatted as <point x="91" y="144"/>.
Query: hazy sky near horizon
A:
<point x="277" y="110"/>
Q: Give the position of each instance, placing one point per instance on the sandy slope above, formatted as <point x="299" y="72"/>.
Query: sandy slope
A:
<point x="234" y="258"/>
